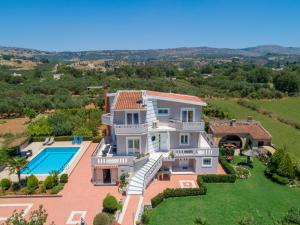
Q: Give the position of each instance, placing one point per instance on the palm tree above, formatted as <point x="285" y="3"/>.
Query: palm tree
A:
<point x="15" y="165"/>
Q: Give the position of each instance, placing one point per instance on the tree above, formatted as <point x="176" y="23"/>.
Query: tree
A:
<point x="29" y="112"/>
<point x="286" y="82"/>
<point x="15" y="165"/>
<point x="37" y="217"/>
<point x="286" y="168"/>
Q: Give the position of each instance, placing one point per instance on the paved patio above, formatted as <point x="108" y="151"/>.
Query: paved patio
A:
<point x="80" y="197"/>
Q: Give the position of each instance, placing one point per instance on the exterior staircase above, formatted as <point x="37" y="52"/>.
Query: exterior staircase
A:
<point x="144" y="175"/>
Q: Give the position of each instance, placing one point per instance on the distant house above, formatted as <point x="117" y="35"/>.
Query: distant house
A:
<point x="57" y="76"/>
<point x="241" y="133"/>
<point x="17" y="74"/>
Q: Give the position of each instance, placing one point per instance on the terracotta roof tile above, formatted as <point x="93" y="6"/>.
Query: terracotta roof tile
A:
<point x="253" y="128"/>
<point x="175" y="96"/>
<point x="128" y="100"/>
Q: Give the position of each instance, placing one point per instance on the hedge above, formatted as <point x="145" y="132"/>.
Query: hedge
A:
<point x="230" y="177"/>
<point x="96" y="139"/>
<point x="178" y="192"/>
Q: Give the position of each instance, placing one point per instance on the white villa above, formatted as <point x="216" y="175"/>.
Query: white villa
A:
<point x="150" y="132"/>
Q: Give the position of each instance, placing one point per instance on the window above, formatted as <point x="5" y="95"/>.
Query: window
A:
<point x="206" y="162"/>
<point x="132" y="118"/>
<point x="153" y="138"/>
<point x="133" y="145"/>
<point x="187" y="115"/>
<point x="184" y="139"/>
<point x="163" y="111"/>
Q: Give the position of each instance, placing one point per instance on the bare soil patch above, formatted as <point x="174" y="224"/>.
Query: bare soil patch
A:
<point x="17" y="125"/>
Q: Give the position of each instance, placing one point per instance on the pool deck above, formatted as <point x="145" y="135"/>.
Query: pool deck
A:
<point x="37" y="147"/>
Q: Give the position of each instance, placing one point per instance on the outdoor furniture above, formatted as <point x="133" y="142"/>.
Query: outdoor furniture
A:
<point x="250" y="153"/>
<point x="46" y="141"/>
<point x="26" y="154"/>
<point x="80" y="139"/>
<point x="74" y="140"/>
<point x="51" y="141"/>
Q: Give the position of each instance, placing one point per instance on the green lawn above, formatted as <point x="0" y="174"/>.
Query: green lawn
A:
<point x="287" y="107"/>
<point x="225" y="204"/>
<point x="283" y="135"/>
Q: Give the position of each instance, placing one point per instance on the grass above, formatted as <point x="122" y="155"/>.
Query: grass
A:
<point x="287" y="107"/>
<point x="227" y="203"/>
<point x="283" y="135"/>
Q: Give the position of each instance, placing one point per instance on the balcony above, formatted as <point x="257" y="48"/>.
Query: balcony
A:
<point x="131" y="128"/>
<point x="195" y="152"/>
<point x="187" y="126"/>
<point x="112" y="161"/>
<point x="106" y="119"/>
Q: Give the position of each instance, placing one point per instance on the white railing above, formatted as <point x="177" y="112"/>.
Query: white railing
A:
<point x="196" y="152"/>
<point x="106" y="119"/>
<point x="114" y="160"/>
<point x="152" y="171"/>
<point x="131" y="128"/>
<point x="187" y="126"/>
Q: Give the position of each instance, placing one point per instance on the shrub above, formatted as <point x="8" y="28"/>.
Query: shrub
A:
<point x="286" y="168"/>
<point x="214" y="178"/>
<point x="146" y="216"/>
<point x="5" y="184"/>
<point x="49" y="182"/>
<point x="97" y="139"/>
<point x="32" y="182"/>
<point x="55" y="177"/>
<point x="15" y="186"/>
<point x="110" y="204"/>
<point x="200" y="221"/>
<point x="64" y="178"/>
<point x="292" y="217"/>
<point x="57" y="189"/>
<point x="155" y="201"/>
<point x="180" y="192"/>
<point x="43" y="188"/>
<point x="29" y="190"/>
<point x="101" y="219"/>
<point x="279" y="179"/>
<point x="242" y="172"/>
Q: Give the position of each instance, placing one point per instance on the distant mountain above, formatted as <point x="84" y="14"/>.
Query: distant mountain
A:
<point x="170" y="53"/>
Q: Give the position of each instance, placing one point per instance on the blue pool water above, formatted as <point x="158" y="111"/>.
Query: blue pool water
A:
<point x="50" y="159"/>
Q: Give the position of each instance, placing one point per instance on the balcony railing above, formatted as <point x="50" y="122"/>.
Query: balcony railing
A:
<point x="131" y="128"/>
<point x="111" y="161"/>
<point x="106" y="119"/>
<point x="196" y="152"/>
<point x="187" y="126"/>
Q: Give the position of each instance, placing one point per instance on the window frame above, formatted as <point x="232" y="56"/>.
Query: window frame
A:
<point x="133" y="138"/>
<point x="132" y="112"/>
<point x="205" y="158"/>
<point x="188" y="109"/>
<point x="163" y="114"/>
<point x="188" y="139"/>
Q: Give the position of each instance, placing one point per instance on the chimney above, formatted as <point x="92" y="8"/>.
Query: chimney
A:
<point x="232" y="122"/>
<point x="249" y="118"/>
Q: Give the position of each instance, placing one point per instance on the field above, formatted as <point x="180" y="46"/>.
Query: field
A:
<point x="283" y="135"/>
<point x="226" y="204"/>
<point x="287" y="107"/>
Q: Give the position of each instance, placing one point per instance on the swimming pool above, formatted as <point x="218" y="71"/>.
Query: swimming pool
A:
<point x="50" y="159"/>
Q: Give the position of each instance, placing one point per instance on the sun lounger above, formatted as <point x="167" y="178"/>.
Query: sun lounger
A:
<point x="51" y="141"/>
<point x="80" y="139"/>
<point x="46" y="141"/>
<point x="74" y="139"/>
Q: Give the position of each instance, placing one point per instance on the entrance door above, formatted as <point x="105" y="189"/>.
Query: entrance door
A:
<point x="106" y="176"/>
<point x="163" y="141"/>
<point x="184" y="163"/>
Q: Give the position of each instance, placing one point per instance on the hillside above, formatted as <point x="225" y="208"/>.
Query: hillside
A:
<point x="171" y="53"/>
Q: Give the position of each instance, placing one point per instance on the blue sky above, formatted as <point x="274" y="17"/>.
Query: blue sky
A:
<point x="60" y="25"/>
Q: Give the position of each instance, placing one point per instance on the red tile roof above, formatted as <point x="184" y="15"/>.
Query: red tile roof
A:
<point x="253" y="128"/>
<point x="128" y="100"/>
<point x="175" y="96"/>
